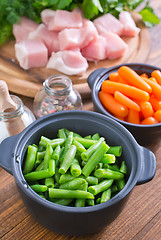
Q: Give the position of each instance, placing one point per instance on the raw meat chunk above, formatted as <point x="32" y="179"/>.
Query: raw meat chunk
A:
<point x="47" y="15"/>
<point x="50" y="38"/>
<point x="31" y="53"/>
<point x="96" y="50"/>
<point x="65" y="19"/>
<point x="68" y="62"/>
<point x="22" y="29"/>
<point x="78" y="38"/>
<point x="115" y="46"/>
<point x="108" y="23"/>
<point x="129" y="26"/>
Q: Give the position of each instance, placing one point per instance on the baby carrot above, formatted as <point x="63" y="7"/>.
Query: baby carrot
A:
<point x="146" y="109"/>
<point x="133" y="117"/>
<point x="153" y="79"/>
<point x="144" y="75"/>
<point x="126" y="101"/>
<point x="156" y="88"/>
<point x="157" y="115"/>
<point x="149" y="121"/>
<point x="157" y="75"/>
<point x="133" y="78"/>
<point x="114" y="76"/>
<point x="112" y="105"/>
<point x="156" y="103"/>
<point x="130" y="91"/>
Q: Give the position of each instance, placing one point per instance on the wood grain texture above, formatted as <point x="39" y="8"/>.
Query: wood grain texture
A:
<point x="139" y="220"/>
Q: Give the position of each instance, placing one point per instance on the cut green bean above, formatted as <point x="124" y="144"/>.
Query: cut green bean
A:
<point x="56" y="153"/>
<point x="65" y="178"/>
<point x="120" y="184"/>
<point x="108" y="158"/>
<point x="38" y="175"/>
<point x="63" y="193"/>
<point x="116" y="150"/>
<point x="68" y="159"/>
<point x="47" y="157"/>
<point x="106" y="195"/>
<point x="56" y="142"/>
<point x="90" y="202"/>
<point x="80" y="202"/>
<point x="94" y="159"/>
<point x="39" y="188"/>
<point x="102" y="186"/>
<point x="85" y="142"/>
<point x="114" y="188"/>
<point x="107" y="173"/>
<point x="96" y="136"/>
<point x="49" y="182"/>
<point x="40" y="166"/>
<point x="40" y="157"/>
<point x="86" y="155"/>
<point x="62" y="201"/>
<point x="92" y="180"/>
<point x="75" y="168"/>
<point x="30" y="159"/>
<point x="52" y="166"/>
<point x="61" y="133"/>
<point x="73" y="184"/>
<point x="79" y="146"/>
<point x="88" y="137"/>
<point x="57" y="175"/>
<point x="123" y="167"/>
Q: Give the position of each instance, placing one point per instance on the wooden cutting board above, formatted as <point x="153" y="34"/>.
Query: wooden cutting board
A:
<point x="28" y="82"/>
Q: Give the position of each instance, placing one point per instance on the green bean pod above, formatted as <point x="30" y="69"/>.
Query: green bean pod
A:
<point x="63" y="193"/>
<point x="123" y="167"/>
<point x="115" y="150"/>
<point x="47" y="156"/>
<point x="85" y="142"/>
<point x="106" y="195"/>
<point x="75" y="168"/>
<point x="38" y="175"/>
<point x="73" y="184"/>
<point x="49" y="182"/>
<point x="39" y="188"/>
<point x="107" y="173"/>
<point x="30" y="159"/>
<point x="65" y="178"/>
<point x="80" y="202"/>
<point x="94" y="159"/>
<point x="86" y="155"/>
<point x="102" y="186"/>
<point x="68" y="159"/>
<point x="108" y="158"/>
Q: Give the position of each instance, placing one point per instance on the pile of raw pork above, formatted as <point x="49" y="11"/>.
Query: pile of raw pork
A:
<point x="66" y="41"/>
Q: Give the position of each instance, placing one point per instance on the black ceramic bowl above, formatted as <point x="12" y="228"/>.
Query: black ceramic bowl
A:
<point x="144" y="134"/>
<point x="141" y="165"/>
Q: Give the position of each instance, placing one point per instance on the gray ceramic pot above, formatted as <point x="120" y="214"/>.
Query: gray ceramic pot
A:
<point x="141" y="165"/>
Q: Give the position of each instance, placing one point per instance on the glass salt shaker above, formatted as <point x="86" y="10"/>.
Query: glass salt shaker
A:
<point x="57" y="94"/>
<point x="13" y="121"/>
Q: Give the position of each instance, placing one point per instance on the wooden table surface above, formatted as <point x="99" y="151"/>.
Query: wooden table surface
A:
<point x="141" y="217"/>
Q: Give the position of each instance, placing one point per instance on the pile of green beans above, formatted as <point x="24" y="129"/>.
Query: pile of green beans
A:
<point x="72" y="170"/>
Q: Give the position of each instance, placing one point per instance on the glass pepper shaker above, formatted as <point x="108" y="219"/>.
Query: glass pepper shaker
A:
<point x="13" y="121"/>
<point x="57" y="94"/>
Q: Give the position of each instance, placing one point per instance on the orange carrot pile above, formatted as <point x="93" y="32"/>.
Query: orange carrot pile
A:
<point x="132" y="97"/>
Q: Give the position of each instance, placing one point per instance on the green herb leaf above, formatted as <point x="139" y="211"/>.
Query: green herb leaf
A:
<point x="149" y="18"/>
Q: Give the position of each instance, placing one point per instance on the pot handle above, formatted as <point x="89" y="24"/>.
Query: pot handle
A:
<point x="148" y="165"/>
<point x="7" y="153"/>
<point x="95" y="74"/>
